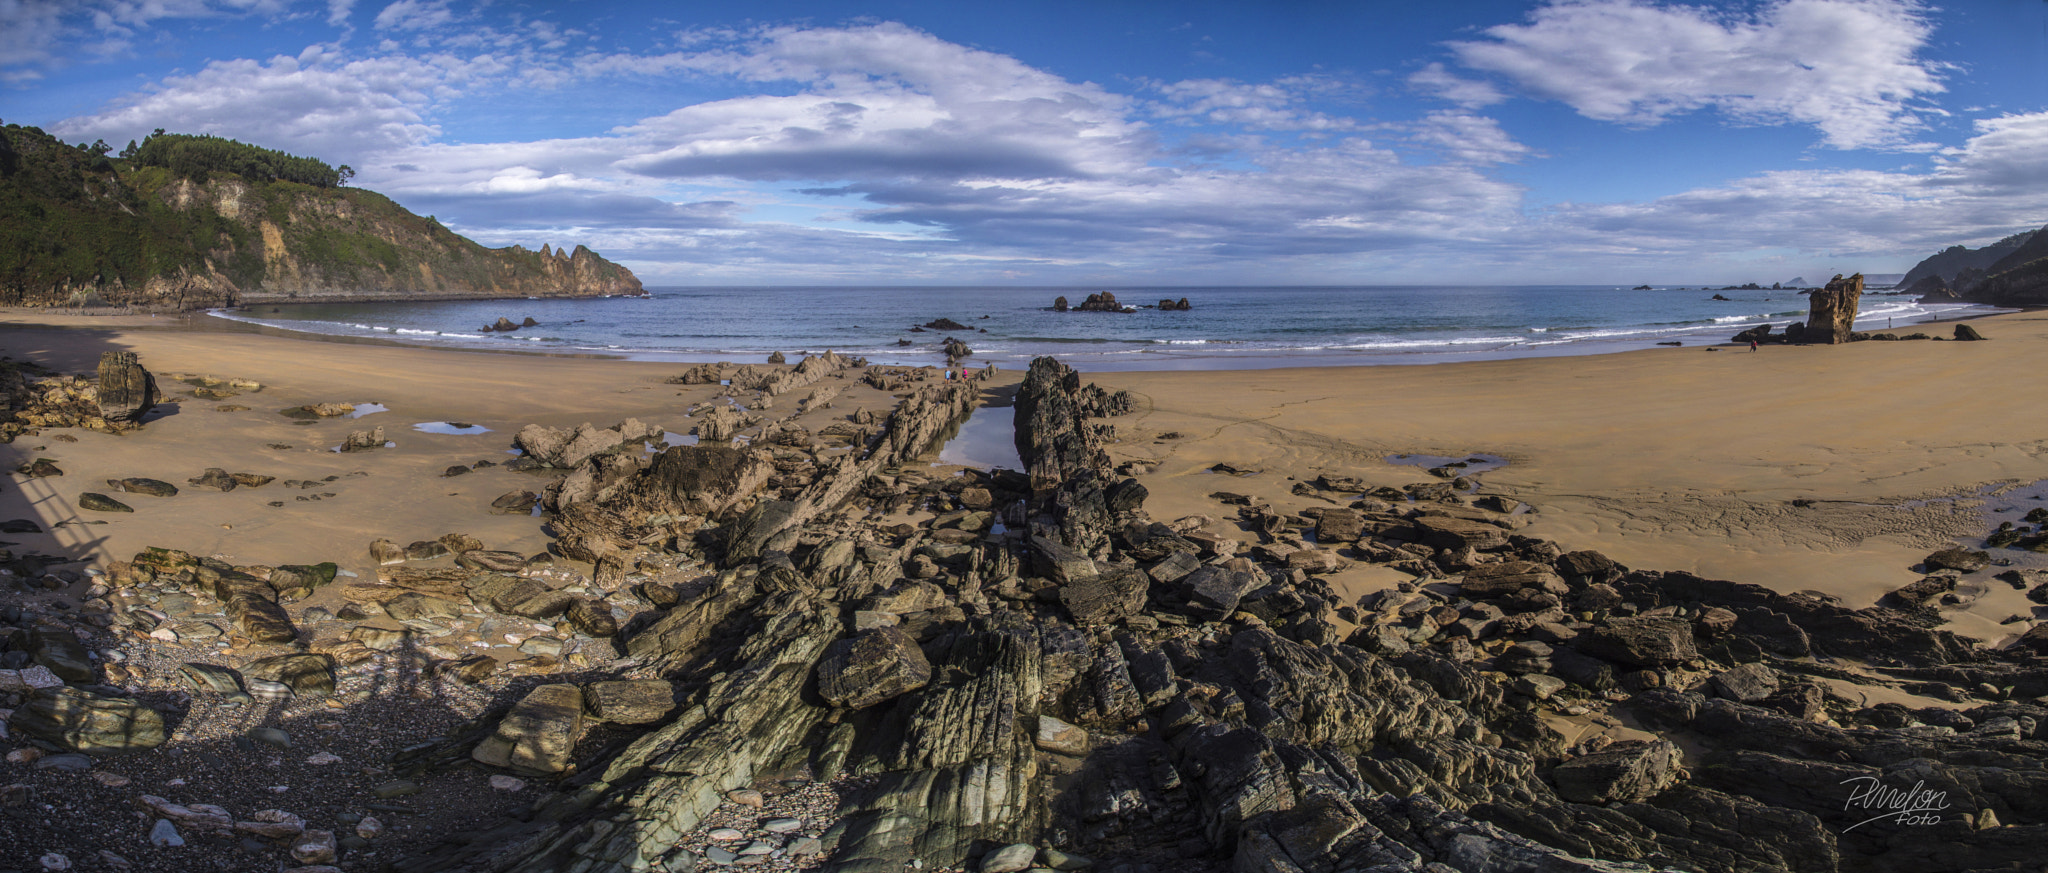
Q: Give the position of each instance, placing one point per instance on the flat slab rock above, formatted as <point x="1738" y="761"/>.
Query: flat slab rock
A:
<point x="537" y="736"/>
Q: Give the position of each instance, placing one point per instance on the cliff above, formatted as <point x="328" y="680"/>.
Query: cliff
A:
<point x="1946" y="263"/>
<point x="2011" y="272"/>
<point x="78" y="227"/>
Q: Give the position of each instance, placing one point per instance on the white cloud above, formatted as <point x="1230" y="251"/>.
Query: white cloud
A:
<point x="415" y="15"/>
<point x="338" y="11"/>
<point x="1270" y="106"/>
<point x="341" y="111"/>
<point x="1469" y="93"/>
<point x="925" y="159"/>
<point x="1850" y="68"/>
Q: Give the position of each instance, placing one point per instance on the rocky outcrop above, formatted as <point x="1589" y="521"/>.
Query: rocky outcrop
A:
<point x="1086" y="682"/>
<point x="1831" y="315"/>
<point x="1181" y="305"/>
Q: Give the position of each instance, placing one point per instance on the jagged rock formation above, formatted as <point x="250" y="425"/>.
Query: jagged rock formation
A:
<point x="1095" y="681"/>
<point x="1172" y="306"/>
<point x="81" y="229"/>
<point x="1831" y="315"/>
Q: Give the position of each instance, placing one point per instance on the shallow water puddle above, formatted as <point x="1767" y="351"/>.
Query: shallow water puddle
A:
<point x="670" y="439"/>
<point x="363" y="409"/>
<point x="987" y="440"/>
<point x="450" y="428"/>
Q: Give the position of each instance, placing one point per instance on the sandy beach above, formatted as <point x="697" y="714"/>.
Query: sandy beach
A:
<point x="1677" y="459"/>
<point x="1823" y="469"/>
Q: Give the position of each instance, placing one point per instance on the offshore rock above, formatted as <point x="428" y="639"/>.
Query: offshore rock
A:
<point x="1831" y="314"/>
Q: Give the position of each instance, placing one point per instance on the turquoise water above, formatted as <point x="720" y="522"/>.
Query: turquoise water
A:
<point x="1228" y="328"/>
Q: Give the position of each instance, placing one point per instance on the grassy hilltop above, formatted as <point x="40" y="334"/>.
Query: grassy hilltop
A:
<point x="188" y="222"/>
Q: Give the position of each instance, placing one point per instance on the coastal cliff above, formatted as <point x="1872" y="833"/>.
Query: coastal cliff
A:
<point x="80" y="228"/>
<point x="2010" y="272"/>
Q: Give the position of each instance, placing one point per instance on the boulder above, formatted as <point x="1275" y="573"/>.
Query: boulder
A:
<point x="60" y="651"/>
<point x="629" y="701"/>
<point x="537" y="736"/>
<point x="1213" y="592"/>
<point x="85" y="722"/>
<point x="214" y="479"/>
<point x="306" y="675"/>
<point x="1748" y="683"/>
<point x="1508" y="577"/>
<point x="1449" y="532"/>
<point x="1960" y="559"/>
<point x="39" y="468"/>
<point x="127" y="392"/>
<point x="139" y="485"/>
<point x="1967" y="333"/>
<point x="874" y="666"/>
<point x="1641" y="642"/>
<point x="1628" y="772"/>
<point x="1107" y="598"/>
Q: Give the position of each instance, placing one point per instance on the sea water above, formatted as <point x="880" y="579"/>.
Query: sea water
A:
<point x="1228" y="328"/>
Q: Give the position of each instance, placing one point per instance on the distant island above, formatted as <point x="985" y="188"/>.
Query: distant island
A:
<point x="2010" y="272"/>
<point x="181" y="222"/>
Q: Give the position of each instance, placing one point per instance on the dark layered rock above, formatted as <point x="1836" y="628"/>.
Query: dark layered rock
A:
<point x="870" y="668"/>
<point x="127" y="392"/>
<point x="1627" y="772"/>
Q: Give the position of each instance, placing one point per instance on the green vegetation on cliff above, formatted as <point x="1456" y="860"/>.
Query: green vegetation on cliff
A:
<point x="184" y="222"/>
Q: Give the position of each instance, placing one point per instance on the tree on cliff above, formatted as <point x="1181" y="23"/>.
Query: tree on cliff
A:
<point x="195" y="156"/>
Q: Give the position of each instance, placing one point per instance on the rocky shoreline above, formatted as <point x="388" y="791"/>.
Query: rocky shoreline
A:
<point x="798" y="648"/>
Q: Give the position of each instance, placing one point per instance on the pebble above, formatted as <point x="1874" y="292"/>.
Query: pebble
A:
<point x="508" y="783"/>
<point x="111" y="780"/>
<point x="165" y="835"/>
<point x="272" y="737"/>
<point x="70" y="761"/>
<point x="369" y="828"/>
<point x="398" y="788"/>
<point x="746" y="797"/>
<point x="718" y="855"/>
<point x="323" y="759"/>
<point x="782" y="825"/>
<point x="55" y="861"/>
<point x="726" y="835"/>
<point x="24" y="756"/>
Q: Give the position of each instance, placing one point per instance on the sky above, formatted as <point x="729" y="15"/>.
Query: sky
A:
<point x="1121" y="143"/>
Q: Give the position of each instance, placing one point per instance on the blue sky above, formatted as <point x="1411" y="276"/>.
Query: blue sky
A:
<point x="1127" y="143"/>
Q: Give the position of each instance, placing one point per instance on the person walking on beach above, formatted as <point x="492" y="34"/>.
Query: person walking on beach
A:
<point x="1752" y="345"/>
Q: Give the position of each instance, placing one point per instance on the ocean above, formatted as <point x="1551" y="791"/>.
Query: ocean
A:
<point x="1228" y="328"/>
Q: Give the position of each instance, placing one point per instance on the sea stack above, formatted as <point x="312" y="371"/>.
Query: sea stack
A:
<point x="1832" y="312"/>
